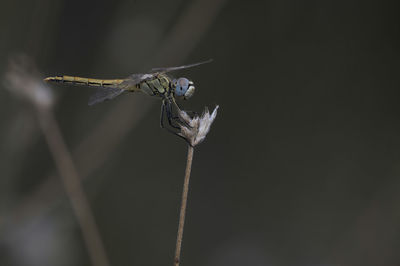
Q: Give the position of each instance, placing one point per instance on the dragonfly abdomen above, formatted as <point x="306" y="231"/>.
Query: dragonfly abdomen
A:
<point x="85" y="81"/>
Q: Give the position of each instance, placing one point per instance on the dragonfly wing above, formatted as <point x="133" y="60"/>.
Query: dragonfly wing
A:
<point x="133" y="80"/>
<point x="168" y="69"/>
<point x="103" y="94"/>
<point x="107" y="93"/>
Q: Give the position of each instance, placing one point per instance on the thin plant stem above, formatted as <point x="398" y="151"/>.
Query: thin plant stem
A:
<point x="182" y="214"/>
<point x="73" y="187"/>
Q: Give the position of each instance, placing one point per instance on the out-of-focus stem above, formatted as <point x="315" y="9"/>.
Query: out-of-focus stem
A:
<point x="72" y="185"/>
<point x="183" y="206"/>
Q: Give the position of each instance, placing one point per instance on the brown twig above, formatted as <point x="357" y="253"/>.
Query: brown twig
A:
<point x="182" y="214"/>
<point x="73" y="188"/>
<point x="194" y="130"/>
<point x="23" y="81"/>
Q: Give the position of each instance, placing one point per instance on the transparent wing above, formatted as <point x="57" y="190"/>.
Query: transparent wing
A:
<point x="103" y="94"/>
<point x="168" y="69"/>
<point x="134" y="79"/>
<point x="107" y="93"/>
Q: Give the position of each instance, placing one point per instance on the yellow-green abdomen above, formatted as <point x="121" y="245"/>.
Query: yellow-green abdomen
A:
<point x="85" y="81"/>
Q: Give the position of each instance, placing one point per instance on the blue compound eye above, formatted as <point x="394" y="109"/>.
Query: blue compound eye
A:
<point x="182" y="85"/>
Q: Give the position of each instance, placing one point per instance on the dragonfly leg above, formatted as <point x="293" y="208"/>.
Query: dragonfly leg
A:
<point x="193" y="113"/>
<point x="163" y="110"/>
<point x="177" y="118"/>
<point x="171" y="118"/>
<point x="173" y="121"/>
<point x="166" y="109"/>
<point x="162" y="115"/>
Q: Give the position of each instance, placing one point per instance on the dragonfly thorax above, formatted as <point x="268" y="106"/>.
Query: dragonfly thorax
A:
<point x="184" y="88"/>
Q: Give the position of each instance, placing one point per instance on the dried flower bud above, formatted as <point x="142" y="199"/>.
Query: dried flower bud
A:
<point x="196" y="128"/>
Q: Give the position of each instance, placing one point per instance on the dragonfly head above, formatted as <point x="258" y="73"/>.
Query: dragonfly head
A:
<point x="184" y="88"/>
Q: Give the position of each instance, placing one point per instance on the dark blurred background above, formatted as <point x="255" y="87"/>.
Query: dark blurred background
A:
<point x="301" y="167"/>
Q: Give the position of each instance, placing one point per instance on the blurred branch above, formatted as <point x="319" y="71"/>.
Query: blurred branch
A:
<point x="73" y="187"/>
<point x="29" y="87"/>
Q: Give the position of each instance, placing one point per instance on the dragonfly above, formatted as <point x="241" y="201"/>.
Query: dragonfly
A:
<point x="157" y="83"/>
